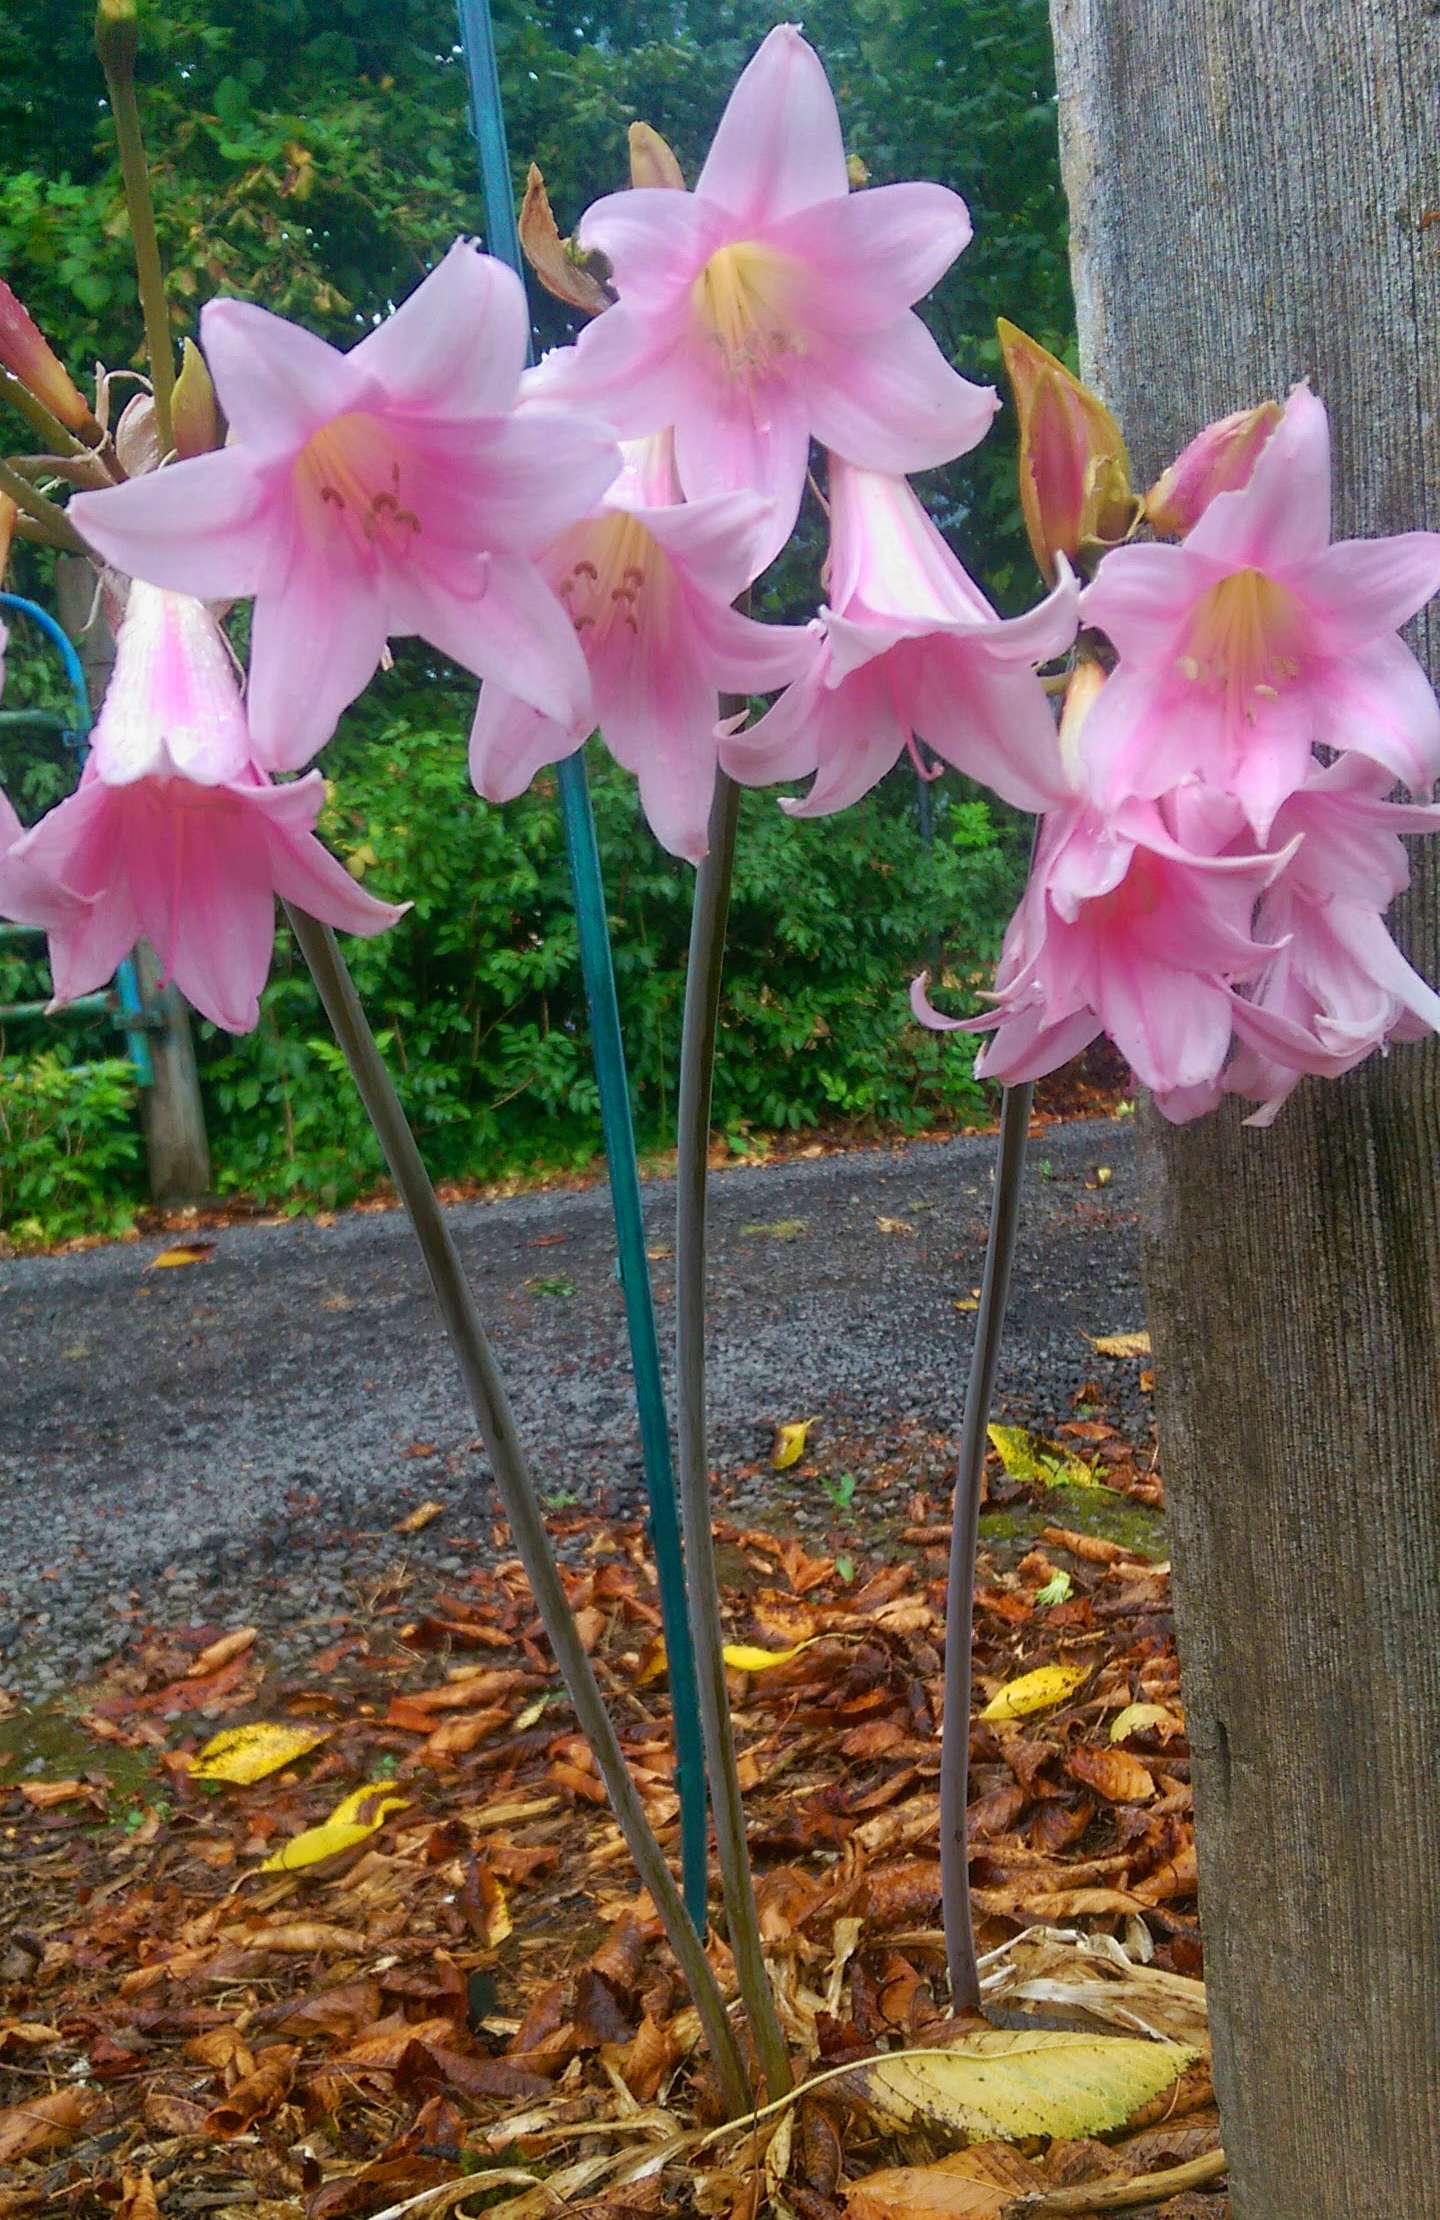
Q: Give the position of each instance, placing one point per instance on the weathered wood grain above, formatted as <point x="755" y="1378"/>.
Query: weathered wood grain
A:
<point x="1255" y="197"/>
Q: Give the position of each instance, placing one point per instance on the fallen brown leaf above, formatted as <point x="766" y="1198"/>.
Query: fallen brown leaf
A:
<point x="415" y="1521"/>
<point x="45" y="2123"/>
<point x="221" y="1652"/>
<point x="1113" y="1774"/>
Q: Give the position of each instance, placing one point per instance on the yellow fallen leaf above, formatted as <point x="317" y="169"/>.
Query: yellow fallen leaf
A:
<point x="966" y="1302"/>
<point x="790" y="1444"/>
<point x="1103" y="1176"/>
<point x="1014" y="2085"/>
<point x="894" y="1225"/>
<point x="1121" y="1345"/>
<point x="341" y="1831"/>
<point x="419" y="1517"/>
<point x="184" y="1252"/>
<point x="1136" y="1717"/>
<point x="654" y="1662"/>
<point x="241" y="1755"/>
<point x="1041" y="1690"/>
<point x="1026" y="1457"/>
<point x="745" y="1658"/>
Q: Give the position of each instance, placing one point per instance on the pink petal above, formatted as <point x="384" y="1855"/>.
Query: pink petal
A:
<point x="778" y="145"/>
<point x="924" y="1011"/>
<point x="656" y="241"/>
<point x="200" y="880"/>
<point x="994" y="725"/>
<point x="1181" y="1105"/>
<point x="315" y="643"/>
<point x="739" y="656"/>
<point x="1379" y="702"/>
<point x="456" y="346"/>
<point x="734" y="437"/>
<point x="1172" y="1028"/>
<point x="1359" y="589"/>
<point x="867" y="258"/>
<point x="510" y="742"/>
<point x="302" y="869"/>
<point x="515" y="482"/>
<point x="888" y="400"/>
<point x="1143" y="597"/>
<point x="204" y="527"/>
<point x="718" y="542"/>
<point x="28" y="894"/>
<point x="859" y="735"/>
<point x="1024" y="1046"/>
<point x="510" y="628"/>
<point x="276" y="382"/>
<point x="1283" y="515"/>
<point x="784" y="743"/>
<point x="1136" y="740"/>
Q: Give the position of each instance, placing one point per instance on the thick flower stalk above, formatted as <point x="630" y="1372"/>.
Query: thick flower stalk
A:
<point x="910" y="649"/>
<point x="771" y="305"/>
<point x="648" y="582"/>
<point x="174" y="834"/>
<point x="392" y="490"/>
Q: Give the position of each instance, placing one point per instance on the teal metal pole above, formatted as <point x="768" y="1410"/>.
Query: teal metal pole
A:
<point x="477" y="37"/>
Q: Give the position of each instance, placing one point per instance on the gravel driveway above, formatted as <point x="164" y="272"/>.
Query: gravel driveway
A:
<point x="185" y="1444"/>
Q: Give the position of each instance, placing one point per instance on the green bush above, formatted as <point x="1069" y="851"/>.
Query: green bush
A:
<point x="70" y="1148"/>
<point x="477" y="998"/>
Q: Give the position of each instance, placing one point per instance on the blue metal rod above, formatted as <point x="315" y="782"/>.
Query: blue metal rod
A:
<point x="477" y="37"/>
<point x="137" y="1048"/>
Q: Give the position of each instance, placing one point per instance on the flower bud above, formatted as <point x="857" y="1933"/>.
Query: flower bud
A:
<point x="194" y="417"/>
<point x="651" y="161"/>
<point x="29" y="357"/>
<point x="1219" y="460"/>
<point x="8" y="514"/>
<point x="558" y="264"/>
<point x="1074" y="473"/>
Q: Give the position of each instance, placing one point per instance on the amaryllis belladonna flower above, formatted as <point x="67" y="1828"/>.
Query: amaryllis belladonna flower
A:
<point x="1256" y="639"/>
<point x="647" y="582"/>
<point x="772" y="304"/>
<point x="911" y="648"/>
<point x="1122" y="930"/>
<point x="385" y="491"/>
<point x="174" y="834"/>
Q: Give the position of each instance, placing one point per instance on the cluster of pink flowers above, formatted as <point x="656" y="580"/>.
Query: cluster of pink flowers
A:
<point x="1210" y="891"/>
<point x="1205" y="888"/>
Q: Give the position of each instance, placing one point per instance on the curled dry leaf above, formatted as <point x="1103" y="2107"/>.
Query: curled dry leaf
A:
<point x="1113" y="1774"/>
<point x="422" y="1516"/>
<point x="221" y="1652"/>
<point x="1137" y="1718"/>
<point x="1120" y="1345"/>
<point x="258" y="2094"/>
<point x="44" y="1795"/>
<point x="555" y="261"/>
<point x="45" y="2123"/>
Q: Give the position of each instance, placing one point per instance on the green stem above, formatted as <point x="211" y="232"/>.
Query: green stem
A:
<point x="491" y="1405"/>
<point x="117" y="59"/>
<point x="964" y="1538"/>
<point x="55" y="527"/>
<point x="697" y="1070"/>
<point x="57" y="437"/>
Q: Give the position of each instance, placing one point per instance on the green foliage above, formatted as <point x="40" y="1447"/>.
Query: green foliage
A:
<point x="70" y="1151"/>
<point x="477" y="991"/>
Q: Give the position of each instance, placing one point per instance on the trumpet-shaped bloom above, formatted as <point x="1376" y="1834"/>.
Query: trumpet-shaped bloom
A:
<point x="772" y="304"/>
<point x="1218" y="460"/>
<point x="1257" y="637"/>
<point x="911" y="647"/>
<point x="389" y="490"/>
<point x="648" y="582"/>
<point x="172" y="832"/>
<point x="1336" y="987"/>
<point x="1122" y="930"/>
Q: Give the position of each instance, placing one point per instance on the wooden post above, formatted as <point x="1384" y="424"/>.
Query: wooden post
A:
<point x="176" y="1147"/>
<point x="1253" y="188"/>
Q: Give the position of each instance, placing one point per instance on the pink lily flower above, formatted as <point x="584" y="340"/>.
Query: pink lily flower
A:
<point x="772" y="304"/>
<point x="174" y="834"/>
<point x="648" y="582"/>
<point x="1122" y="930"/>
<point x="1257" y="638"/>
<point x="389" y="490"/>
<point x="26" y="894"/>
<point x="911" y="647"/>
<point x="1337" y="987"/>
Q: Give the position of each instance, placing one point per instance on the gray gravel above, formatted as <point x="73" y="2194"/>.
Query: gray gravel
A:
<point x="232" y="1438"/>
